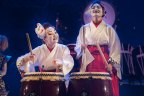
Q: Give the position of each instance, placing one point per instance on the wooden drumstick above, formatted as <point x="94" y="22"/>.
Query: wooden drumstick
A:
<point x="84" y="55"/>
<point x="103" y="57"/>
<point x="84" y="37"/>
<point x="101" y="53"/>
<point x="29" y="43"/>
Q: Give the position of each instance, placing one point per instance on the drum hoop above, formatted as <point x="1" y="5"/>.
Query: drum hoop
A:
<point x="105" y="73"/>
<point x="51" y="76"/>
<point x="57" y="73"/>
<point x="27" y="75"/>
<point x="87" y="75"/>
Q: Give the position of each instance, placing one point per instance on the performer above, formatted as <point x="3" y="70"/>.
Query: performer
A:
<point x="50" y="56"/>
<point x="97" y="32"/>
<point x="3" y="63"/>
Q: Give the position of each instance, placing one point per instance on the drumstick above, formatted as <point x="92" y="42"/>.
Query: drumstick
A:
<point x="29" y="43"/>
<point x="101" y="53"/>
<point x="103" y="57"/>
<point x="84" y="38"/>
<point x="84" y="56"/>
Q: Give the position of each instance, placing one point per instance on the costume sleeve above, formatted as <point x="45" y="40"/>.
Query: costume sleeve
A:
<point x="114" y="45"/>
<point x="68" y="61"/>
<point x="79" y="42"/>
<point x="114" y="48"/>
<point x="29" y="66"/>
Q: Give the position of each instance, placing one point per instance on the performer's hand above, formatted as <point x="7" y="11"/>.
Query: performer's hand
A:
<point x="22" y="74"/>
<point x="109" y="67"/>
<point x="54" y="62"/>
<point x="58" y="64"/>
<point x="32" y="57"/>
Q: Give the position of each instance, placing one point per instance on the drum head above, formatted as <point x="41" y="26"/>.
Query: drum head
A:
<point x="51" y="76"/>
<point x="87" y="75"/>
<point x="108" y="18"/>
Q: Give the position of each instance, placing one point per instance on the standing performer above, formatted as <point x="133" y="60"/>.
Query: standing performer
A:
<point x="94" y="34"/>
<point x="3" y="63"/>
<point x="50" y="56"/>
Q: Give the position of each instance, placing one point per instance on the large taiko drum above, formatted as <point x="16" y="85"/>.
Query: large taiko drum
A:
<point x="43" y="84"/>
<point x="90" y="84"/>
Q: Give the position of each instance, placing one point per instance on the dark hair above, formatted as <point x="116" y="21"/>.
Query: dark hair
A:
<point x="3" y="42"/>
<point x="46" y="25"/>
<point x="98" y="2"/>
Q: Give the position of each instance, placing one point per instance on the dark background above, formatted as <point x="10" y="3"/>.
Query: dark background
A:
<point x="20" y="16"/>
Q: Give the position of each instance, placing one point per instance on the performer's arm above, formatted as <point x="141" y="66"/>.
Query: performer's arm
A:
<point x="67" y="58"/>
<point x="114" y="46"/>
<point x="4" y="70"/>
<point x="23" y="62"/>
<point x="79" y="43"/>
<point x="66" y="63"/>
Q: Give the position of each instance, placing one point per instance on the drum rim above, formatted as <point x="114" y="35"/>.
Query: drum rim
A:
<point x="106" y="73"/>
<point x="44" y="74"/>
<point x="94" y="75"/>
<point x="51" y="76"/>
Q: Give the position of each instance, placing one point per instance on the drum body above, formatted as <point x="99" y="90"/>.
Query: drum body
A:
<point x="43" y="84"/>
<point x="90" y="84"/>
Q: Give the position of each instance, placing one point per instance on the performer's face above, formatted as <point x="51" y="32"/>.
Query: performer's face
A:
<point x="50" y="30"/>
<point x="51" y="35"/>
<point x="96" y="10"/>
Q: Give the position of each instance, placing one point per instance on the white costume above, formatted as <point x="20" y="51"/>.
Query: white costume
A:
<point x="44" y="58"/>
<point x="103" y="35"/>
